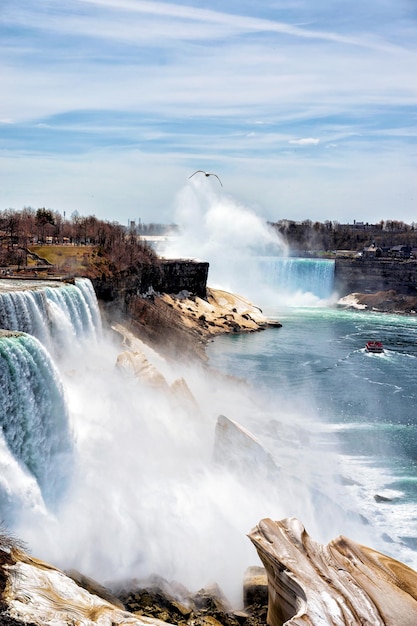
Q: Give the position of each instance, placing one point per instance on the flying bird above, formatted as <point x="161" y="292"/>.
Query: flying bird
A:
<point x="207" y="174"/>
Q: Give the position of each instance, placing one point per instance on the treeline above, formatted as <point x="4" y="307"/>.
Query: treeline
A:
<point x="329" y="236"/>
<point x="19" y="230"/>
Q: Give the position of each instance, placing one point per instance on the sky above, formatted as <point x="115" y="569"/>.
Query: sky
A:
<point x="305" y="110"/>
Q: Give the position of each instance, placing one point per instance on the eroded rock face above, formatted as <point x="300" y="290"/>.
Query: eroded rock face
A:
<point x="372" y="275"/>
<point x="338" y="584"/>
<point x="36" y="593"/>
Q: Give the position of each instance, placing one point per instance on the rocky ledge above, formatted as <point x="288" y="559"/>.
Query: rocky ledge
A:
<point x="340" y="584"/>
<point x="302" y="583"/>
<point x="382" y="301"/>
<point x="33" y="593"/>
<point x="182" y="324"/>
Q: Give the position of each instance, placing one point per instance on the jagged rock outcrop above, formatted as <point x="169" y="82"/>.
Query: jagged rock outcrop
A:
<point x="33" y="593"/>
<point x="138" y="365"/>
<point x="170" y="601"/>
<point x="145" y="365"/>
<point x="238" y="450"/>
<point x="36" y="593"/>
<point x="339" y="584"/>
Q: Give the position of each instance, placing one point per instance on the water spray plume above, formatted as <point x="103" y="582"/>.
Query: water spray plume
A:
<point x="247" y="256"/>
<point x="146" y="494"/>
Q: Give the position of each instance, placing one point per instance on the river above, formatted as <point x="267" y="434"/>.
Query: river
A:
<point x="362" y="407"/>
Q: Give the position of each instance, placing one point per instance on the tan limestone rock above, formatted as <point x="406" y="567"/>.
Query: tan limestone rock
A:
<point x="221" y="312"/>
<point x="339" y="584"/>
<point x="40" y="594"/>
<point x="137" y="364"/>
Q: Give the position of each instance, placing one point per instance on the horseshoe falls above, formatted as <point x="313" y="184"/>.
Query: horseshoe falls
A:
<point x="267" y="280"/>
<point x="298" y="275"/>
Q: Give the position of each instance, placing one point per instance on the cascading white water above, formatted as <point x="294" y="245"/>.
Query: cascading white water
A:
<point x="290" y="275"/>
<point x="33" y="415"/>
<point x="34" y="419"/>
<point x="53" y="312"/>
<point x="25" y="311"/>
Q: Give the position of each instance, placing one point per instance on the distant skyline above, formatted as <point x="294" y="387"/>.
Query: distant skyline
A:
<point x="304" y="110"/>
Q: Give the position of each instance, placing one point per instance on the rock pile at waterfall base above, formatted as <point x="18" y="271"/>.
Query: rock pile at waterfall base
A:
<point x="158" y="599"/>
<point x="304" y="582"/>
<point x="35" y="593"/>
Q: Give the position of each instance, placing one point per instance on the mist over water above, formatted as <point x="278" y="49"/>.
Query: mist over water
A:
<point x="354" y="414"/>
<point x="246" y="255"/>
<point x="214" y="227"/>
<point x="151" y="488"/>
<point x="145" y="495"/>
<point x="155" y="486"/>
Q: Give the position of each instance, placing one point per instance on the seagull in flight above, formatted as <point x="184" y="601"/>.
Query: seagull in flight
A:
<point x="207" y="174"/>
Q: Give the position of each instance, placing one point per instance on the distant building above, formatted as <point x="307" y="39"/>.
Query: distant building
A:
<point x="372" y="251"/>
<point x="400" y="252"/>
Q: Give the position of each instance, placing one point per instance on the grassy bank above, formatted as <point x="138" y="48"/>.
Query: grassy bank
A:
<point x="65" y="259"/>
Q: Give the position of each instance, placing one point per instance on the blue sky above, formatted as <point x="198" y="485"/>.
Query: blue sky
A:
<point x="306" y="110"/>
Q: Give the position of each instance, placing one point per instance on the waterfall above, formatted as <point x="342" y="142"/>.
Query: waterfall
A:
<point x="292" y="275"/>
<point x="25" y="311"/>
<point x="54" y="313"/>
<point x="33" y="416"/>
<point x="39" y="320"/>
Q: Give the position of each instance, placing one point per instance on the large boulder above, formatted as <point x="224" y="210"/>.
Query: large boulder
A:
<point x="339" y="584"/>
<point x="36" y="593"/>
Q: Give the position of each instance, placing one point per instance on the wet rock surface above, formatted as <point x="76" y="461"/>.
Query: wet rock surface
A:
<point x="35" y="593"/>
<point x="339" y="584"/>
<point x="171" y="602"/>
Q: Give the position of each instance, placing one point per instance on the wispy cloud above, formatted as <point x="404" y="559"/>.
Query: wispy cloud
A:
<point x="306" y="141"/>
<point x="227" y="87"/>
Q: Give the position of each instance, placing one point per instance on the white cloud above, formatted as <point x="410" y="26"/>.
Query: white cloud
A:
<point x="306" y="141"/>
<point x="180" y="87"/>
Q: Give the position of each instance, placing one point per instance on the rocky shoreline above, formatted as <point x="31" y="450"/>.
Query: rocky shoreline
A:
<point x="302" y="582"/>
<point x="181" y="325"/>
<point x="381" y="302"/>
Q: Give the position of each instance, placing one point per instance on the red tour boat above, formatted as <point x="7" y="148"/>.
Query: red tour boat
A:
<point x="374" y="346"/>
